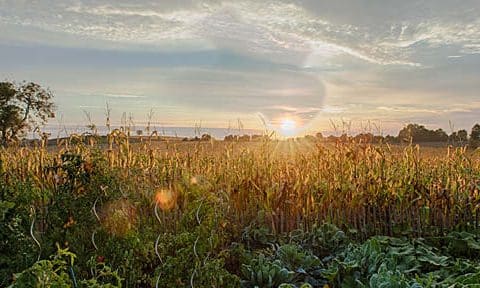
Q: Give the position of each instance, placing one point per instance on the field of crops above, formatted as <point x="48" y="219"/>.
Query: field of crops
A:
<point x="218" y="214"/>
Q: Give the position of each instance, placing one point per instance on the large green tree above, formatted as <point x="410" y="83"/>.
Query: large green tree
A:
<point x="22" y="107"/>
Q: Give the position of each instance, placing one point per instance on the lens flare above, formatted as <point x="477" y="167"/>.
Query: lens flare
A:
<point x="165" y="199"/>
<point x="119" y="217"/>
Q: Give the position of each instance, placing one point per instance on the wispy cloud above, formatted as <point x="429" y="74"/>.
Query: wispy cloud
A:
<point x="114" y="95"/>
<point x="438" y="110"/>
<point x="392" y="59"/>
<point x="333" y="109"/>
<point x="266" y="28"/>
<point x="408" y="110"/>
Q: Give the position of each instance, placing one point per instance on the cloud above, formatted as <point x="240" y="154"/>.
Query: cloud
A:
<point x="114" y="95"/>
<point x="386" y="58"/>
<point x="281" y="31"/>
<point x="333" y="109"/>
<point x="408" y="110"/>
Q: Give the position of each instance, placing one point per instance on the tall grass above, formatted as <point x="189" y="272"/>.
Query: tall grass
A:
<point x="368" y="189"/>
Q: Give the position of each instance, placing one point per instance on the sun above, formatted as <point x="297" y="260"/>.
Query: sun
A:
<point x="288" y="127"/>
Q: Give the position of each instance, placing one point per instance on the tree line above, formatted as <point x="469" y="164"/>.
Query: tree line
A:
<point x="412" y="133"/>
<point x="416" y="133"/>
<point x="25" y="106"/>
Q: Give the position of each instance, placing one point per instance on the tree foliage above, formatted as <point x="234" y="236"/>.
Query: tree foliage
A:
<point x="418" y="133"/>
<point x="22" y="107"/>
<point x="475" y="136"/>
<point x="460" y="136"/>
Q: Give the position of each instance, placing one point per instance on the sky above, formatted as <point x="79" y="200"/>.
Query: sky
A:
<point x="305" y="65"/>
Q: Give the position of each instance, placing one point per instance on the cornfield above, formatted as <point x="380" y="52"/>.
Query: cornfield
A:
<point x="89" y="193"/>
<point x="373" y="189"/>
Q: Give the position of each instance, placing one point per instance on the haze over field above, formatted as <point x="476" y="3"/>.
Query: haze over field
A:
<point x="295" y="64"/>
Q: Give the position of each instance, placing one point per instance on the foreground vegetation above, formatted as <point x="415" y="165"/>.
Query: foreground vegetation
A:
<point x="216" y="214"/>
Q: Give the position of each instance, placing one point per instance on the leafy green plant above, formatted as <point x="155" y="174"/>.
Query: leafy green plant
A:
<point x="463" y="244"/>
<point x="59" y="272"/>
<point x="324" y="240"/>
<point x="386" y="278"/>
<point x="188" y="256"/>
<point x="297" y="259"/>
<point x="263" y="273"/>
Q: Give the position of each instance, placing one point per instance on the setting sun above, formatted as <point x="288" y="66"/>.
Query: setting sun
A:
<point x="288" y="127"/>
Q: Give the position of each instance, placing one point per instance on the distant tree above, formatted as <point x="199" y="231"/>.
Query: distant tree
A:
<point x="364" y="138"/>
<point x="462" y="136"/>
<point x="418" y="133"/>
<point x="475" y="136"/>
<point x="378" y="139"/>
<point x="391" y="139"/>
<point x="23" y="107"/>
<point x="439" y="135"/>
<point x="310" y="138"/>
<point x="407" y="133"/>
<point x="453" y="137"/>
<point x="319" y="136"/>
<point x="244" y="138"/>
<point x="257" y="137"/>
<point x="206" y="137"/>
<point x="229" y="138"/>
<point x="412" y="133"/>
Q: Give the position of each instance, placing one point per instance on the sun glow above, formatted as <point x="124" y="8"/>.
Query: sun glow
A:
<point x="288" y="127"/>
